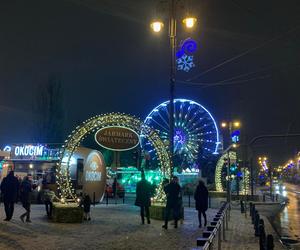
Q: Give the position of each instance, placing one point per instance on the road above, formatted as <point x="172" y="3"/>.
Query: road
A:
<point x="287" y="223"/>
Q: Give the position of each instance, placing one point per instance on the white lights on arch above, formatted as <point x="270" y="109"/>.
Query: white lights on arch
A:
<point x="91" y="126"/>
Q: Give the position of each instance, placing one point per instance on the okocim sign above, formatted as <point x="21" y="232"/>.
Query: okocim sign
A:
<point x="117" y="138"/>
<point x="32" y="152"/>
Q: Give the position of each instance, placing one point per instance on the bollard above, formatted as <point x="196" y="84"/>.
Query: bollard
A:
<point x="209" y="201"/>
<point x="106" y="197"/>
<point x="270" y="242"/>
<point x="256" y="224"/>
<point x="262" y="235"/>
<point x="264" y="197"/>
<point x="253" y="209"/>
<point x="189" y="200"/>
<point x="94" y="199"/>
<point x="250" y="206"/>
<point x="124" y="198"/>
<point x="253" y="215"/>
<point x="242" y="207"/>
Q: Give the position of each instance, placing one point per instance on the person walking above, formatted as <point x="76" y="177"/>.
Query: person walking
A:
<point x="10" y="191"/>
<point x="25" y="191"/>
<point x="172" y="191"/>
<point x="143" y="197"/>
<point x="201" y="198"/>
<point x="87" y="207"/>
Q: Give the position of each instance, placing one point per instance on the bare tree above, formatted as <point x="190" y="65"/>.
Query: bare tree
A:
<point x="49" y="112"/>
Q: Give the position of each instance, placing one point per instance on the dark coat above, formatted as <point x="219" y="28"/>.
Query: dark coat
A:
<point x="25" y="190"/>
<point x="10" y="188"/>
<point x="143" y="193"/>
<point x="87" y="204"/>
<point x="201" y="198"/>
<point x="173" y="193"/>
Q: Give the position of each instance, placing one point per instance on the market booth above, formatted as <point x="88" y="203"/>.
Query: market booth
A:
<point x="87" y="168"/>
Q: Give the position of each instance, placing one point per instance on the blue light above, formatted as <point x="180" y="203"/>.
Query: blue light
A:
<point x="188" y="45"/>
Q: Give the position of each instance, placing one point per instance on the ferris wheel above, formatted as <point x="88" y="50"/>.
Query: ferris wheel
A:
<point x="196" y="133"/>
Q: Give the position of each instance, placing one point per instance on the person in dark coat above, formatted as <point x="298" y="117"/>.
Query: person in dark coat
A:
<point x="87" y="207"/>
<point x="25" y="191"/>
<point x="143" y="197"/>
<point x="10" y="191"/>
<point x="114" y="187"/>
<point x="201" y="198"/>
<point x="172" y="191"/>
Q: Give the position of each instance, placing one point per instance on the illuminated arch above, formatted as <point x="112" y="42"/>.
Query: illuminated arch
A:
<point x="244" y="187"/>
<point x="92" y="125"/>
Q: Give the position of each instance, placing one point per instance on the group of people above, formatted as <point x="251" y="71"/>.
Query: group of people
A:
<point x="173" y="193"/>
<point x="11" y="190"/>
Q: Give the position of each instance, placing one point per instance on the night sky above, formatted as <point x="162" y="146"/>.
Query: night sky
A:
<point x="109" y="60"/>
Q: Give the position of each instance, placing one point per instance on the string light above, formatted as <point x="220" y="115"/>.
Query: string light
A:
<point x="245" y="183"/>
<point x="65" y="187"/>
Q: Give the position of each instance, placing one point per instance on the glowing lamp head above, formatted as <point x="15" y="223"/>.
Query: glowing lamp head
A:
<point x="223" y="124"/>
<point x="189" y="22"/>
<point x="156" y="26"/>
<point x="236" y="124"/>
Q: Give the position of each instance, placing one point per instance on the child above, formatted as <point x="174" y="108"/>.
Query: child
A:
<point x="87" y="207"/>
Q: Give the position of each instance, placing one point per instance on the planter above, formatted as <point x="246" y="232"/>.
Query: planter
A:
<point x="67" y="213"/>
<point x="157" y="212"/>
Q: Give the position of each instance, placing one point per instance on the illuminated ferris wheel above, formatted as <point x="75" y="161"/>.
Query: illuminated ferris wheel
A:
<point x="196" y="133"/>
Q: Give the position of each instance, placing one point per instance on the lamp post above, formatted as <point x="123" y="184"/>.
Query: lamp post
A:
<point x="230" y="125"/>
<point x="157" y="26"/>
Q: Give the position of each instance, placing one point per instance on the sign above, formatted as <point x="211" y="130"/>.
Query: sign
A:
<point x="117" y="138"/>
<point x="36" y="152"/>
<point x="94" y="175"/>
<point x="235" y="136"/>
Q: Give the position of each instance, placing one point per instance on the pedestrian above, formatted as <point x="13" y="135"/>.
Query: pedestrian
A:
<point x="25" y="191"/>
<point x="48" y="197"/>
<point x="143" y="197"/>
<point x="10" y="191"/>
<point x="172" y="191"/>
<point x="114" y="187"/>
<point x="201" y="198"/>
<point x="87" y="207"/>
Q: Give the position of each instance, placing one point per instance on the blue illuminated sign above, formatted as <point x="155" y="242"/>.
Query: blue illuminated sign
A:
<point x="235" y="136"/>
<point x="185" y="61"/>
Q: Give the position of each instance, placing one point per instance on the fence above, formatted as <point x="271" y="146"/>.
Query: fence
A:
<point x="216" y="230"/>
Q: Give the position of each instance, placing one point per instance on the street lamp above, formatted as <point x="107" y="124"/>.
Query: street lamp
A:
<point x="229" y="125"/>
<point x="157" y="26"/>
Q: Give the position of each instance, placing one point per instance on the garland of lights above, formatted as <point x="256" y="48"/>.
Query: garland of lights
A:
<point x="63" y="179"/>
<point x="218" y="173"/>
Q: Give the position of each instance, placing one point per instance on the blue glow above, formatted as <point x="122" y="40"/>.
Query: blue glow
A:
<point x="188" y="45"/>
<point x="182" y="100"/>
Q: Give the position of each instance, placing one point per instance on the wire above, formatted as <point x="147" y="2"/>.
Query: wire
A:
<point x="206" y="85"/>
<point x="243" y="54"/>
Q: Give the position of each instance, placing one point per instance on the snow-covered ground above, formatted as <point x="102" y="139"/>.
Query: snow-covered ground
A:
<point x="111" y="227"/>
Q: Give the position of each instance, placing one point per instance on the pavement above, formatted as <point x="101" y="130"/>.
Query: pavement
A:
<point x="118" y="227"/>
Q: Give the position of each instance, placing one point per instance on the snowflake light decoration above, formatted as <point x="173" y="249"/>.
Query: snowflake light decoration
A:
<point x="185" y="63"/>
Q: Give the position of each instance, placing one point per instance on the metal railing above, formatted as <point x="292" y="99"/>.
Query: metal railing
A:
<point x="216" y="230"/>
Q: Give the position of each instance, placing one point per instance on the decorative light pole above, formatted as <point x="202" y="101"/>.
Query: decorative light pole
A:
<point x="157" y="26"/>
<point x="230" y="125"/>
